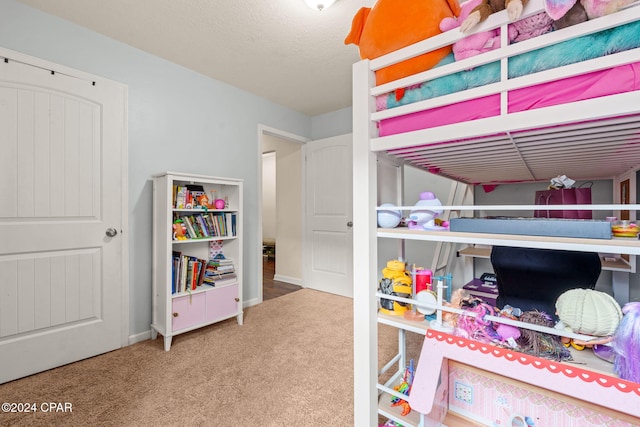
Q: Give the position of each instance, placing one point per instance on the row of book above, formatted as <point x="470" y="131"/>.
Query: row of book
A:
<point x="206" y="225"/>
<point x="189" y="272"/>
<point x="186" y="196"/>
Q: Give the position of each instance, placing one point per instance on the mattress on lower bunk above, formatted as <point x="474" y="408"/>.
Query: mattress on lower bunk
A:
<point x="620" y="79"/>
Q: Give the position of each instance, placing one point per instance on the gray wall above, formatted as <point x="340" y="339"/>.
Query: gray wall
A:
<point x="173" y="113"/>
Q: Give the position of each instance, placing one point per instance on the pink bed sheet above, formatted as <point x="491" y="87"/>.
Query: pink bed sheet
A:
<point x="624" y="78"/>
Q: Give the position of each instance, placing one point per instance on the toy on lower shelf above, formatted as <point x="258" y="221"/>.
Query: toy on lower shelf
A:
<point x="396" y="281"/>
<point x="405" y="388"/>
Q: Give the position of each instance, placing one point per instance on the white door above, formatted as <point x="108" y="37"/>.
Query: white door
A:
<point x="62" y="136"/>
<point x="328" y="215"/>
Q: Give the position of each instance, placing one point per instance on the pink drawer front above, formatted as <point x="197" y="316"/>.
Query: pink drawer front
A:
<point x="188" y="311"/>
<point x="222" y="303"/>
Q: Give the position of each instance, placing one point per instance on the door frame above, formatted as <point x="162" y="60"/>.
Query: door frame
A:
<point x="124" y="232"/>
<point x="262" y="131"/>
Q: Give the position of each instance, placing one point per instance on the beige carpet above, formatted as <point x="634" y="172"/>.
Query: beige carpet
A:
<point x="290" y="364"/>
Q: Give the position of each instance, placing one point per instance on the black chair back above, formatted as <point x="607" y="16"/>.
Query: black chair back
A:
<point x="530" y="278"/>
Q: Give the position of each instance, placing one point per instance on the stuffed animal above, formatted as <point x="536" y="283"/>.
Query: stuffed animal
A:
<point x="487" y="7"/>
<point x="391" y="25"/>
<point x="530" y="27"/>
<point x="575" y="15"/>
<point x="519" y="30"/>
<point x="473" y="44"/>
<point x="485" y="41"/>
<point x="557" y="9"/>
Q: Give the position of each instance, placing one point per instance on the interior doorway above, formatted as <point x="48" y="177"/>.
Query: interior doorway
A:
<point x="271" y="288"/>
<point x="281" y="212"/>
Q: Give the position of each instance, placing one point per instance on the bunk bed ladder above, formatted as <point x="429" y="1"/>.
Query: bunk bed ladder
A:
<point x="459" y="194"/>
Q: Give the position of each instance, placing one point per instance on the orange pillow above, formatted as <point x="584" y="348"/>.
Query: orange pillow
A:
<point x="394" y="24"/>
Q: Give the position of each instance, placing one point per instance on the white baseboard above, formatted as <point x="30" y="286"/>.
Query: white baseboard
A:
<point x="292" y="280"/>
<point x="249" y="303"/>
<point x="142" y="336"/>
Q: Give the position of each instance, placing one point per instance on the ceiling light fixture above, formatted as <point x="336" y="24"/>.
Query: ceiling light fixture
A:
<point x="319" y="4"/>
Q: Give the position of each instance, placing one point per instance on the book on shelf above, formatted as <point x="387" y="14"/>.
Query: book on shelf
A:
<point x="180" y="201"/>
<point x="205" y="224"/>
<point x="186" y="196"/>
<point x="214" y="275"/>
<point x="175" y="272"/>
<point x="187" y="272"/>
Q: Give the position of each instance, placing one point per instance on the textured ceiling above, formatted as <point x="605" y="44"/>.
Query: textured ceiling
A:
<point x="280" y="49"/>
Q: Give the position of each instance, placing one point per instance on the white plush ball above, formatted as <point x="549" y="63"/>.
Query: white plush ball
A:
<point x="389" y="218"/>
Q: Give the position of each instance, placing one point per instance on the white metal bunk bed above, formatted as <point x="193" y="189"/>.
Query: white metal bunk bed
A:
<point x="596" y="138"/>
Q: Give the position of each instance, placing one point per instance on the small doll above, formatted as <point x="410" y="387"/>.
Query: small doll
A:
<point x="451" y="319"/>
<point x="508" y="332"/>
<point x="626" y="344"/>
<point x="476" y="327"/>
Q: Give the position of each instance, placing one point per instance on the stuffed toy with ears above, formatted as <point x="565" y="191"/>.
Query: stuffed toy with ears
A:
<point x="473" y="44"/>
<point x="392" y="24"/>
<point x="485" y="41"/>
<point x="557" y="9"/>
<point x="487" y="7"/>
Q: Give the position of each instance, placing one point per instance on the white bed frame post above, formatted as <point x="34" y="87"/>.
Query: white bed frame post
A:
<point x="365" y="249"/>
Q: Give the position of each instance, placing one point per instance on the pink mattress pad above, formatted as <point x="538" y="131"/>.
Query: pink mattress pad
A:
<point x="624" y="78"/>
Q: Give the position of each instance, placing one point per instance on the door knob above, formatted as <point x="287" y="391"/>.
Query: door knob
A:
<point x="111" y="232"/>
<point x="350" y="224"/>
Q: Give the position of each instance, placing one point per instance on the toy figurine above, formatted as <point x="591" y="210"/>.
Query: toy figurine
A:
<point x="179" y="230"/>
<point x="395" y="281"/>
<point x="423" y="215"/>
<point x="203" y="201"/>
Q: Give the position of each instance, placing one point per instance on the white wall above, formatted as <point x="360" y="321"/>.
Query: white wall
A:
<point x="269" y="196"/>
<point x="179" y="121"/>
<point x="288" y="207"/>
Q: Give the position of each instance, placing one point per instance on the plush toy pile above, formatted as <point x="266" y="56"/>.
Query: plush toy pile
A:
<point x="391" y="25"/>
